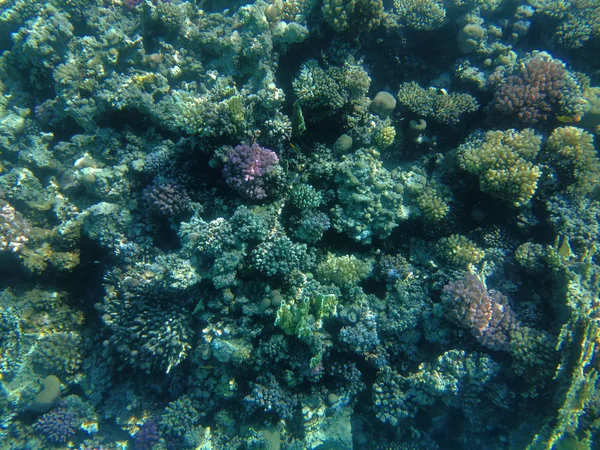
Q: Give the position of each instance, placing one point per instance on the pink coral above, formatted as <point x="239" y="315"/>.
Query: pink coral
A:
<point x="486" y="314"/>
<point x="531" y="93"/>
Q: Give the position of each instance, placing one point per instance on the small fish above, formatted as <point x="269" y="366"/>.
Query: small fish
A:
<point x="295" y="148"/>
<point x="207" y="367"/>
<point x="569" y="119"/>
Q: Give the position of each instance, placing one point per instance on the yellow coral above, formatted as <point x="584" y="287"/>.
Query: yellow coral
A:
<point x="353" y="15"/>
<point x="343" y="271"/>
<point x="459" y="251"/>
<point x="432" y="205"/>
<point x="503" y="160"/>
<point x="385" y="137"/>
<point x="571" y="152"/>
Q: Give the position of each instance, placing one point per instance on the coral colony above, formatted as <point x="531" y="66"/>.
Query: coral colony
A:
<point x="299" y="224"/>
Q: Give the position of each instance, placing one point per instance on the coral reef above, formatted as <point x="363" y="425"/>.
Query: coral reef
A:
<point x="541" y="85"/>
<point x="293" y="224"/>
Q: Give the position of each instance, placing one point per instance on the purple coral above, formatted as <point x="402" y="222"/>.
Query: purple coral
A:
<point x="57" y="426"/>
<point x="248" y="168"/>
<point x="147" y="436"/>
<point x="486" y="314"/>
<point x="166" y="197"/>
<point x="531" y="93"/>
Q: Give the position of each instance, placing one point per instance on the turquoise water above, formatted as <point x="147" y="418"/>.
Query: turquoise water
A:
<point x="299" y="224"/>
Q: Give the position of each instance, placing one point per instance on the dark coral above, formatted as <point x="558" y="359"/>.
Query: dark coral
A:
<point x="268" y="396"/>
<point x="165" y="197"/>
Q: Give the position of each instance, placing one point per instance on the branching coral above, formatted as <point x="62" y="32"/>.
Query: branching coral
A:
<point x="487" y="314"/>
<point x="421" y="14"/>
<point x="436" y="104"/>
<point x="250" y="169"/>
<point x="504" y="162"/>
<point x="353" y="15"/>
<point x="540" y="86"/>
<point x="369" y="196"/>
<point x="571" y="152"/>
<point x="343" y="271"/>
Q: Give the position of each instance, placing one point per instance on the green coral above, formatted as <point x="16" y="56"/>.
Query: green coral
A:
<point x="279" y="256"/>
<point x="534" y="356"/>
<point x="343" y="271"/>
<point x="303" y="316"/>
<point x="578" y="22"/>
<point x="456" y="378"/>
<point x="353" y="15"/>
<point x="531" y="256"/>
<point x="384" y="136"/>
<point x="304" y="196"/>
<point x="369" y="197"/>
<point x="220" y="111"/>
<point x="322" y="93"/>
<point x="504" y="163"/>
<point x="425" y="15"/>
<point x="436" y="104"/>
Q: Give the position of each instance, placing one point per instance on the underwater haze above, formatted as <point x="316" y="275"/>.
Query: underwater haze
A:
<point x="299" y="225"/>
